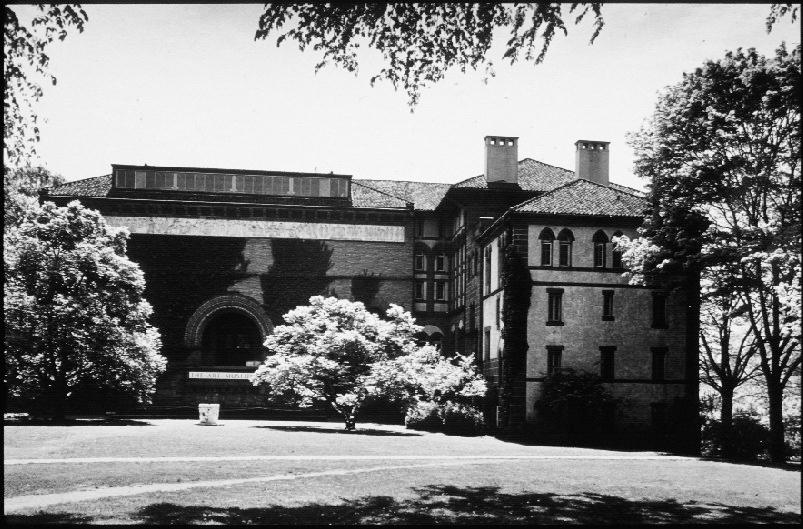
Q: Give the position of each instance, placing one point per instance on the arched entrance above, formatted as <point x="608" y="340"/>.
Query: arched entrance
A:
<point x="231" y="338"/>
<point x="228" y="330"/>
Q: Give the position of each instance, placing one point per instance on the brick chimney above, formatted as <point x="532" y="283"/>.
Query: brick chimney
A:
<point x="501" y="159"/>
<point x="591" y="160"/>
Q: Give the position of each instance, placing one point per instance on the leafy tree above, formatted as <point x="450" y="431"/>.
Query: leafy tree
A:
<point x="21" y="186"/>
<point x="722" y="154"/>
<point x="421" y="42"/>
<point x="727" y="359"/>
<point x="24" y="61"/>
<point x="75" y="320"/>
<point x="336" y="351"/>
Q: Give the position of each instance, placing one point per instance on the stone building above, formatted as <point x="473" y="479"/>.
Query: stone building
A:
<point x="227" y="252"/>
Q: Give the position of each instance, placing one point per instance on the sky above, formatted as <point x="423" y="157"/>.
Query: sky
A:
<point x="187" y="85"/>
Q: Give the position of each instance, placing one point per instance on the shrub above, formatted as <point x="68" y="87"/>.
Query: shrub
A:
<point x="575" y="403"/>
<point x="448" y="417"/>
<point x="750" y="438"/>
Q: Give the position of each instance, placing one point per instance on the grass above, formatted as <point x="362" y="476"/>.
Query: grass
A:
<point x="520" y="491"/>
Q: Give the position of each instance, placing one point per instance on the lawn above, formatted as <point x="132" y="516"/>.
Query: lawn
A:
<point x="316" y="473"/>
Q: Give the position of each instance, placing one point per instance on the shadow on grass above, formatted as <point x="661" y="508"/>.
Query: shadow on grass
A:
<point x="75" y="422"/>
<point x="455" y="505"/>
<point x="358" y="431"/>
<point x="43" y="518"/>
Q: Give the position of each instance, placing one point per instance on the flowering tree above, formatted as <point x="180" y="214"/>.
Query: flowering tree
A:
<point x="75" y="319"/>
<point x="335" y="351"/>
<point x="722" y="152"/>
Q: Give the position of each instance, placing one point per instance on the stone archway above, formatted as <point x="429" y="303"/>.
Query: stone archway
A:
<point x="229" y="303"/>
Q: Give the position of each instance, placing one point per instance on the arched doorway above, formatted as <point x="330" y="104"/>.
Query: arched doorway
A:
<point x="231" y="338"/>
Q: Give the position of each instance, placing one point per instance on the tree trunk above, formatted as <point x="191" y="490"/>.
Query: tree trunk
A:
<point x="726" y="422"/>
<point x="350" y="419"/>
<point x="776" y="446"/>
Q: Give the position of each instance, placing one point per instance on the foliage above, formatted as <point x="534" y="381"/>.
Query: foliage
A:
<point x="722" y="153"/>
<point x="21" y="186"/>
<point x="336" y="351"/>
<point x="24" y="61"/>
<point x="75" y="318"/>
<point x="451" y="417"/>
<point x="575" y="402"/>
<point x="778" y="11"/>
<point x="421" y="42"/>
<point x="752" y="438"/>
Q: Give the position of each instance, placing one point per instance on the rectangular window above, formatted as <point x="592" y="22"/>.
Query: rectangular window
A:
<point x="498" y="309"/>
<point x="420" y="262"/>
<point x="546" y="253"/>
<point x="487" y="272"/>
<point x="500" y="260"/>
<point x="554" y="358"/>
<point x="440" y="263"/>
<point x="486" y="343"/>
<point x="659" y="310"/>
<point x="440" y="290"/>
<point x="607" y="305"/>
<point x="565" y="254"/>
<point x="658" y="360"/>
<point x="599" y="255"/>
<point x="420" y="290"/>
<point x="419" y="228"/>
<point x="555" y="306"/>
<point x="606" y="362"/>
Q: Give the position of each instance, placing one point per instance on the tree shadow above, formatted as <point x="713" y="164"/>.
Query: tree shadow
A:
<point x="43" y="518"/>
<point x="358" y="431"/>
<point x="481" y="505"/>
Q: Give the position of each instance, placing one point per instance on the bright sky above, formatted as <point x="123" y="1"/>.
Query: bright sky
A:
<point x="187" y="85"/>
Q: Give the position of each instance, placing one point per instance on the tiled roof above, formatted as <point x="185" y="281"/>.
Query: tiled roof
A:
<point x="364" y="196"/>
<point x="425" y="195"/>
<point x="533" y="176"/>
<point x="96" y="186"/>
<point x="582" y="197"/>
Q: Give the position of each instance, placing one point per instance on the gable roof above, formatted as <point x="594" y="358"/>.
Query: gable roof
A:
<point x="533" y="176"/>
<point x="583" y="197"/>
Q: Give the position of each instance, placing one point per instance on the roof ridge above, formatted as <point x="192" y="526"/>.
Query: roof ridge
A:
<point x="382" y="192"/>
<point x="635" y="192"/>
<point x="549" y="164"/>
<point x="392" y="180"/>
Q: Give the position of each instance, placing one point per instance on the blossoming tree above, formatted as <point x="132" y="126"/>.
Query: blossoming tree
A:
<point x="335" y="351"/>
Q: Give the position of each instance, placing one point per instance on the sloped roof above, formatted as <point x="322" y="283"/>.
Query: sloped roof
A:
<point x="365" y="196"/>
<point x="367" y="193"/>
<point x="424" y="195"/>
<point x="582" y="197"/>
<point x="533" y="176"/>
<point x="95" y="186"/>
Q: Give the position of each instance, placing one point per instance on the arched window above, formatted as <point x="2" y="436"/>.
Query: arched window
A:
<point x="565" y="240"/>
<point x="616" y="256"/>
<point x="547" y="239"/>
<point x="600" y="243"/>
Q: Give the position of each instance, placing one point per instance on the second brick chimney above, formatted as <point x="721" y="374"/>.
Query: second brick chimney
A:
<point x="501" y="159"/>
<point x="591" y="160"/>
